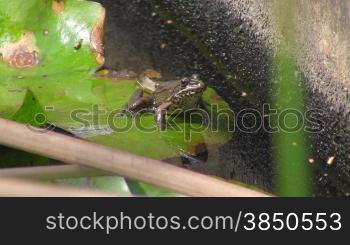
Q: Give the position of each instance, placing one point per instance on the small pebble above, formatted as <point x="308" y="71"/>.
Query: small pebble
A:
<point x="244" y="94"/>
<point x="330" y="160"/>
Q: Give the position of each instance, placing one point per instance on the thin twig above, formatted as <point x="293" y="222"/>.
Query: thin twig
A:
<point x="75" y="151"/>
<point x="12" y="187"/>
<point x="53" y="172"/>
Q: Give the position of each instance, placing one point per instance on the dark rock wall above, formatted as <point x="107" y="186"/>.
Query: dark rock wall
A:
<point x="231" y="44"/>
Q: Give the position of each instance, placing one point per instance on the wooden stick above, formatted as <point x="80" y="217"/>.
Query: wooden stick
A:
<point x="75" y="151"/>
<point x="53" y="172"/>
<point x="11" y="187"/>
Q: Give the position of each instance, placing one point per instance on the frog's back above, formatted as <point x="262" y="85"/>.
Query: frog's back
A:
<point x="164" y="91"/>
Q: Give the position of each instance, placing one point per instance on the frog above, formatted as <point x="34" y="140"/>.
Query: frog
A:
<point x="162" y="97"/>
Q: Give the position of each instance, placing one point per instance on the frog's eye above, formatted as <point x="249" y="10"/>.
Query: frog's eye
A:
<point x="185" y="81"/>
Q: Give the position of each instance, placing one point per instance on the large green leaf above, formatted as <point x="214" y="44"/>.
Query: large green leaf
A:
<point x="50" y="51"/>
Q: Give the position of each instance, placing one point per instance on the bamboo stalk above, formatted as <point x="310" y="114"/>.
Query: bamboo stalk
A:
<point x="12" y="187"/>
<point x="53" y="172"/>
<point x="76" y="151"/>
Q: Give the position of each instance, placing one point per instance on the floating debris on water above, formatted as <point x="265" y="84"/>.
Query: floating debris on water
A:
<point x="91" y="131"/>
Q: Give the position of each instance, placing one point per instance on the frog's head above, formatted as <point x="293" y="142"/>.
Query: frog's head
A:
<point x="188" y="93"/>
<point x="193" y="84"/>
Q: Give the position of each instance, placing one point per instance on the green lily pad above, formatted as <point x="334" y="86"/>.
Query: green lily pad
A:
<point x="28" y="113"/>
<point x="15" y="158"/>
<point x="108" y="183"/>
<point x="142" y="189"/>
<point x="50" y="51"/>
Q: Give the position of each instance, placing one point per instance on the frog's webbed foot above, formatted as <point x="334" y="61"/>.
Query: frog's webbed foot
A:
<point x="160" y="113"/>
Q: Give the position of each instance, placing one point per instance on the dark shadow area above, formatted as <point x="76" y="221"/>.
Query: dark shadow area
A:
<point x="224" y="47"/>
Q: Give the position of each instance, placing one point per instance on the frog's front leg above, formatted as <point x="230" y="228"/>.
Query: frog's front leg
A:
<point x="160" y="113"/>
